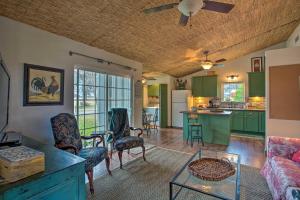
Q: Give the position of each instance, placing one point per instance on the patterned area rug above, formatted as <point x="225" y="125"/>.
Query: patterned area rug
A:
<point x="138" y="150"/>
<point x="149" y="180"/>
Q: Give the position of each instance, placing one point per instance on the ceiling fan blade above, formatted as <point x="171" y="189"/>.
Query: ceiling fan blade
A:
<point x="183" y="20"/>
<point x="160" y="8"/>
<point x="220" y="60"/>
<point x="218" y="65"/>
<point x="217" y="6"/>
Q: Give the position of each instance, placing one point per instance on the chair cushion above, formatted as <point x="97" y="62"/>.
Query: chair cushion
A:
<point x="93" y="156"/>
<point x="128" y="142"/>
<point x="286" y="171"/>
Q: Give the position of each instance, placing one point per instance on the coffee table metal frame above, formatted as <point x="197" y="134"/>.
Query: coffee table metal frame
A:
<point x="173" y="181"/>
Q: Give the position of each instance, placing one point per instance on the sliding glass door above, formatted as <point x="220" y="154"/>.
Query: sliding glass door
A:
<point x="95" y="94"/>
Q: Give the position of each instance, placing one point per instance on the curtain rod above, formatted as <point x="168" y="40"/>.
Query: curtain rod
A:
<point x="101" y="60"/>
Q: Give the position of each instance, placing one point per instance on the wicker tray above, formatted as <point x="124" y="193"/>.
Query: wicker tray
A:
<point x="211" y="169"/>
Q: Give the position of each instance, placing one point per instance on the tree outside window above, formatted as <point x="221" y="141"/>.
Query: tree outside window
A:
<point x="234" y="92"/>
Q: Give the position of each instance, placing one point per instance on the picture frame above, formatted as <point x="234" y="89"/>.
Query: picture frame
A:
<point x="43" y="86"/>
<point x="257" y="64"/>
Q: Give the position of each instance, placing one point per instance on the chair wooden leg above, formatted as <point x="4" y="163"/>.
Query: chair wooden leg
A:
<point x="143" y="147"/>
<point x="90" y="177"/>
<point x="128" y="151"/>
<point x="111" y="151"/>
<point x="107" y="165"/>
<point x="120" y="158"/>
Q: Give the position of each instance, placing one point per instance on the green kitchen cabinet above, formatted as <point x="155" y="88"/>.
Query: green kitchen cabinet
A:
<point x="153" y="90"/>
<point x="262" y="122"/>
<point x="251" y="121"/>
<point x="237" y="120"/>
<point x="197" y="86"/>
<point x="204" y="86"/>
<point x="256" y="84"/>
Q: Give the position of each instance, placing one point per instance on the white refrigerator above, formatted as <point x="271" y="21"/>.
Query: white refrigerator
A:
<point x="179" y="103"/>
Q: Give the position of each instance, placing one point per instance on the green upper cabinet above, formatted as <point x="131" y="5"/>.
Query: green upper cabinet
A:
<point x="204" y="86"/>
<point x="256" y="84"/>
<point x="197" y="86"/>
<point x="153" y="90"/>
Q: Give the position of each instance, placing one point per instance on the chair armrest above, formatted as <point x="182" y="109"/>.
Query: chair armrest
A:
<point x="137" y="129"/>
<point x="282" y="146"/>
<point x="94" y="136"/>
<point x="66" y="147"/>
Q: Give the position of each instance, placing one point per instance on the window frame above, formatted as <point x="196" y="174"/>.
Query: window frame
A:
<point x="223" y="93"/>
<point x="106" y="100"/>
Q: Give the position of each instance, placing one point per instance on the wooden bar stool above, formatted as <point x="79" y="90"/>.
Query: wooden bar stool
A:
<point x="194" y="129"/>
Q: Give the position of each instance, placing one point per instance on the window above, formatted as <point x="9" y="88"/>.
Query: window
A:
<point x="234" y="92"/>
<point x="119" y="93"/>
<point x="91" y="101"/>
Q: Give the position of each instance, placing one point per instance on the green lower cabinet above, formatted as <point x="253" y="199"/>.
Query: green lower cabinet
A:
<point x="262" y="122"/>
<point x="251" y="122"/>
<point x="237" y="120"/>
<point x="248" y="122"/>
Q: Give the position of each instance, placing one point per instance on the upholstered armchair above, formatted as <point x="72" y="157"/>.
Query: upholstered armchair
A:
<point x="119" y="134"/>
<point x="67" y="137"/>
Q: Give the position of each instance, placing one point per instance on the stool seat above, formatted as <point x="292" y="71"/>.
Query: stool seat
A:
<point x="195" y="124"/>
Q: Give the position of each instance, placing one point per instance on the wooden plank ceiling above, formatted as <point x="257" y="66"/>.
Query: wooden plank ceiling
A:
<point x="157" y="40"/>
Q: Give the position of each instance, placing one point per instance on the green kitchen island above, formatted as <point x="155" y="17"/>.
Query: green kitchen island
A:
<point x="216" y="125"/>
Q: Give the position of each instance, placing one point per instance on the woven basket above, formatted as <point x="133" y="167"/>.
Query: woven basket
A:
<point x="211" y="169"/>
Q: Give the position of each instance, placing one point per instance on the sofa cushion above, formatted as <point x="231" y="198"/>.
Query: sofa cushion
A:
<point x="287" y="172"/>
<point x="296" y="157"/>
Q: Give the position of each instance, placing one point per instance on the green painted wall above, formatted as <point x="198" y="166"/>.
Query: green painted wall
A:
<point x="163" y="105"/>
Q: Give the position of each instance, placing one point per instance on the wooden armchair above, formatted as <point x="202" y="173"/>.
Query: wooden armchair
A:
<point x="119" y="134"/>
<point x="67" y="137"/>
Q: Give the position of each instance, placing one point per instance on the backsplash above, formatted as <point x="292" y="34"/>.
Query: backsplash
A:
<point x="251" y="102"/>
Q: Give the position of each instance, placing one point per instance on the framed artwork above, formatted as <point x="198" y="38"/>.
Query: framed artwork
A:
<point x="257" y="64"/>
<point x="43" y="86"/>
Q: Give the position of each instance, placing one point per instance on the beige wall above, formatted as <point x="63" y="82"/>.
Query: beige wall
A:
<point x="239" y="66"/>
<point x="276" y="127"/>
<point x="20" y="43"/>
<point x="291" y="42"/>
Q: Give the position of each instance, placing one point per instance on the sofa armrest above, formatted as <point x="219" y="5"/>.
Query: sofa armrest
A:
<point x="282" y="146"/>
<point x="292" y="193"/>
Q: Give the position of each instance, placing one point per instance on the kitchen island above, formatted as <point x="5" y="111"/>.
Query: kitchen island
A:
<point x="216" y="125"/>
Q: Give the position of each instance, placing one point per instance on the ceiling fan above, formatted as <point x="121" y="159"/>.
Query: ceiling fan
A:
<point x="188" y="8"/>
<point x="207" y="64"/>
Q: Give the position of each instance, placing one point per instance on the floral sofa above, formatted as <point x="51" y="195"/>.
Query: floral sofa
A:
<point x="282" y="174"/>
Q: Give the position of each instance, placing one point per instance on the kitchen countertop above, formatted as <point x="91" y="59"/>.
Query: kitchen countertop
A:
<point x="207" y="112"/>
<point x="239" y="109"/>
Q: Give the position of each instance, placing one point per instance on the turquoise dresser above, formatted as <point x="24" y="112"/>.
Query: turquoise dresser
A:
<point x="63" y="178"/>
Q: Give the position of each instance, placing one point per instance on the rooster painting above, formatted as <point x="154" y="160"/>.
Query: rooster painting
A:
<point x="39" y="84"/>
<point x="43" y="85"/>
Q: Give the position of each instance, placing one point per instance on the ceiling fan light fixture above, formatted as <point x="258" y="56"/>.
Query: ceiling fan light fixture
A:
<point x="206" y="65"/>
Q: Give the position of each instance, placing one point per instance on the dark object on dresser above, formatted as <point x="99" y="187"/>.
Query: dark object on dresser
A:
<point x="67" y="137"/>
<point x="120" y="137"/>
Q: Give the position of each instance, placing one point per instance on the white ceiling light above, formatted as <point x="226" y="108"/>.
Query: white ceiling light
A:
<point x="190" y="7"/>
<point x="206" y="65"/>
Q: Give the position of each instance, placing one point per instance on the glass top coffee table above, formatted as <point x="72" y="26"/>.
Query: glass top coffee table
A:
<point x="228" y="188"/>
